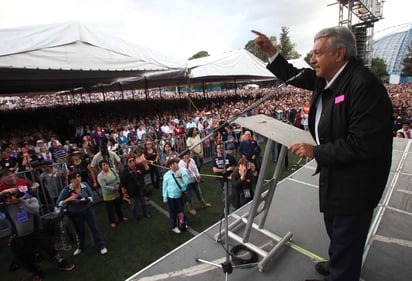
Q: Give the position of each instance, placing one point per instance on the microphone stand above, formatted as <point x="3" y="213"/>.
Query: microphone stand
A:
<point x="227" y="265"/>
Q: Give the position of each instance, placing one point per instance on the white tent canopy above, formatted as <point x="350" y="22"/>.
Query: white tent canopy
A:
<point x="73" y="57"/>
<point x="74" y="46"/>
<point x="65" y="56"/>
<point x="234" y="65"/>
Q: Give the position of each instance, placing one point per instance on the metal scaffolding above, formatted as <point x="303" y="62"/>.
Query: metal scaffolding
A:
<point x="366" y="13"/>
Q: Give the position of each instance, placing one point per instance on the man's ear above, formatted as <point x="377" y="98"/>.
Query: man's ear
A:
<point x="341" y="54"/>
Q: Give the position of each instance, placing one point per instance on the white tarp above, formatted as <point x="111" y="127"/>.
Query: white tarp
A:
<point x="67" y="56"/>
<point x="74" y="46"/>
<point x="234" y="63"/>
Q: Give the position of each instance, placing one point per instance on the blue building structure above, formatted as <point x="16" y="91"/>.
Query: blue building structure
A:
<point x="393" y="48"/>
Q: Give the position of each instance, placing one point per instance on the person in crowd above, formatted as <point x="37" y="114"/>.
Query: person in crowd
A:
<point x="243" y="180"/>
<point x="87" y="152"/>
<point x="223" y="165"/>
<point x="52" y="182"/>
<point x="248" y="147"/>
<point x="231" y="141"/>
<point x="152" y="158"/>
<point x="8" y="180"/>
<point x="400" y="134"/>
<point x="167" y="154"/>
<point x="8" y="161"/>
<point x="174" y="184"/>
<point x="122" y="139"/>
<point x="109" y="181"/>
<point x="27" y="233"/>
<point x="193" y="139"/>
<point x="104" y="154"/>
<point x="24" y="159"/>
<point x="98" y="135"/>
<point x="189" y="165"/>
<point x="83" y="166"/>
<point x="354" y="155"/>
<point x="39" y="144"/>
<point x="77" y="198"/>
<point x="406" y="130"/>
<point x="132" y="185"/>
<point x="46" y="156"/>
<point x="298" y="121"/>
<point x="141" y="161"/>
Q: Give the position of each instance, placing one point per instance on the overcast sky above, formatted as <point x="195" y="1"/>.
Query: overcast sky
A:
<point x="181" y="28"/>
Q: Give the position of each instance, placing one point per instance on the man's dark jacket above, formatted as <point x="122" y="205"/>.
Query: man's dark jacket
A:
<point x="355" y="134"/>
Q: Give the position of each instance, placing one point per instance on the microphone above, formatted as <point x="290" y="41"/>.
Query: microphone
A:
<point x="295" y="77"/>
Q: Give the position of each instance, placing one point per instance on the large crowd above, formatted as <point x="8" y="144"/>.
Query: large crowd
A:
<point x="108" y="141"/>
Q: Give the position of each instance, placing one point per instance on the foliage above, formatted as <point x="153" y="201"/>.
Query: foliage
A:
<point x="407" y="63"/>
<point x="379" y="67"/>
<point x="200" y="54"/>
<point x="286" y="47"/>
<point x="308" y="56"/>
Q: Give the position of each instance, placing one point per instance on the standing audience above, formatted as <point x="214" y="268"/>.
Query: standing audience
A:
<point x="174" y="184"/>
<point x="109" y="181"/>
<point x="77" y="198"/>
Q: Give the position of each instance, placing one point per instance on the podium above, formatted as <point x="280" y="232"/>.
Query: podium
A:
<point x="287" y="135"/>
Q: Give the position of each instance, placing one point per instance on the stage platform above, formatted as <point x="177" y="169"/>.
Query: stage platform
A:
<point x="295" y="209"/>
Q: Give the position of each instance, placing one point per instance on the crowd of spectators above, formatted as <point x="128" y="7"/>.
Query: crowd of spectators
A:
<point x="56" y="130"/>
<point x="150" y="114"/>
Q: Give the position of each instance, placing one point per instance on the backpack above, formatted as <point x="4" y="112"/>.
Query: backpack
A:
<point x="181" y="221"/>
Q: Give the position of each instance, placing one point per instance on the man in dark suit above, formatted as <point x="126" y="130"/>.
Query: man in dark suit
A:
<point x="351" y="120"/>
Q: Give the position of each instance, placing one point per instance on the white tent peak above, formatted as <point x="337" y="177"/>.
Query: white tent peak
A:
<point x="69" y="38"/>
<point x="234" y="63"/>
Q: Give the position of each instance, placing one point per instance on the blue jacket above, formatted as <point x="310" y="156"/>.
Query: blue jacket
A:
<point x="170" y="188"/>
<point x="77" y="206"/>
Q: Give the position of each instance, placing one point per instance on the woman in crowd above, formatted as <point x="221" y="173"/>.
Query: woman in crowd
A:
<point x="83" y="167"/>
<point x="188" y="164"/>
<point x="167" y="154"/>
<point x="133" y="185"/>
<point x="109" y="181"/>
<point x="152" y="158"/>
<point x="77" y="198"/>
<point x="174" y="183"/>
<point x="193" y="139"/>
<point x="244" y="178"/>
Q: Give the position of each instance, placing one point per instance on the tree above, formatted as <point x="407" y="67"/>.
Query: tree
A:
<point x="379" y="67"/>
<point x="308" y="56"/>
<point x="407" y="63"/>
<point x="200" y="54"/>
<point x="251" y="47"/>
<point x="286" y="48"/>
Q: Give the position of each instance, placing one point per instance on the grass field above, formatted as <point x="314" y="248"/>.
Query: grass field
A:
<point x="132" y="246"/>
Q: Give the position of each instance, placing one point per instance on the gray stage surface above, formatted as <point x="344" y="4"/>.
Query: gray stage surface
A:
<point x="388" y="255"/>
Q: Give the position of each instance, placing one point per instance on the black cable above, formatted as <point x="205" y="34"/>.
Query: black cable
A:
<point x="243" y="255"/>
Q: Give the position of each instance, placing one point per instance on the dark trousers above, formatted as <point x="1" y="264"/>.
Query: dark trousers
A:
<point x="154" y="176"/>
<point x="347" y="240"/>
<point x="24" y="249"/>
<point x="133" y="205"/>
<point x="175" y="205"/>
<point x="193" y="186"/>
<point x="111" y="207"/>
<point x="88" y="216"/>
